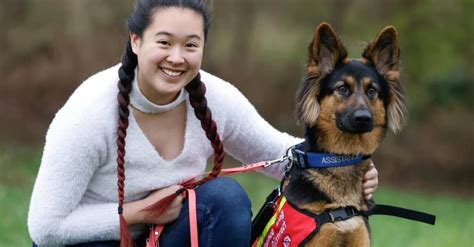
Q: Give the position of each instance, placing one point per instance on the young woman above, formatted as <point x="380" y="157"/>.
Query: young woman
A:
<point x="159" y="110"/>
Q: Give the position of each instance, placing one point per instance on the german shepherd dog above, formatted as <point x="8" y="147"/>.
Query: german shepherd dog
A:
<point x="346" y="105"/>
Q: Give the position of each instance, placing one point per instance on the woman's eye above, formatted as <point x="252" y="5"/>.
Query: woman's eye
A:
<point x="163" y="42"/>
<point x="191" y="45"/>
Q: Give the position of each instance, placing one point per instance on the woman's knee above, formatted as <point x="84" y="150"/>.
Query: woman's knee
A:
<point x="224" y="193"/>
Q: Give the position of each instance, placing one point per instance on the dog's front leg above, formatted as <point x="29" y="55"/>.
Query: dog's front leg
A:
<point x="360" y="237"/>
<point x="327" y="236"/>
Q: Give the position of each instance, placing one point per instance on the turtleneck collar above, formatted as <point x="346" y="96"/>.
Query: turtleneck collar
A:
<point x="142" y="104"/>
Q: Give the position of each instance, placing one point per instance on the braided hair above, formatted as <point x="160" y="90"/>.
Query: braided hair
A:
<point x="136" y="23"/>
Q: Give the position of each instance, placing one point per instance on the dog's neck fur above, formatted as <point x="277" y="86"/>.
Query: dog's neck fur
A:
<point x="343" y="143"/>
<point x="320" y="189"/>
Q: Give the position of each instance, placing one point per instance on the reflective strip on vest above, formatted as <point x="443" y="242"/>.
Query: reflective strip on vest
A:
<point x="287" y="227"/>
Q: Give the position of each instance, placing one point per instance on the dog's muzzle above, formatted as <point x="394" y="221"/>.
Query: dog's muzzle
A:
<point x="356" y="121"/>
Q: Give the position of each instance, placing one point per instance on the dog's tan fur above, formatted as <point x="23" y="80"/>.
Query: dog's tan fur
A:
<point x="343" y="185"/>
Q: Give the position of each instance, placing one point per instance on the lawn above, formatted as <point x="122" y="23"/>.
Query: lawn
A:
<point x="18" y="170"/>
<point x="454" y="226"/>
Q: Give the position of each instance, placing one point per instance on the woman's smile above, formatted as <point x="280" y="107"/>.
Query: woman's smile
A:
<point x="171" y="72"/>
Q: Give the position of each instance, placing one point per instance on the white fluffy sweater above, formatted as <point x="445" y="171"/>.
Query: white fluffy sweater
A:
<point x="75" y="194"/>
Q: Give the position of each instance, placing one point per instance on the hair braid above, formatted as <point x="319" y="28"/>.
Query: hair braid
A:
<point x="197" y="90"/>
<point x="126" y="76"/>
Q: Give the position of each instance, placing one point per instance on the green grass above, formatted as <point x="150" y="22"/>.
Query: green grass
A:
<point x="18" y="170"/>
<point x="454" y="226"/>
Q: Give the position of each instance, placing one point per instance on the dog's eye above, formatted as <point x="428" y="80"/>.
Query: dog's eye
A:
<point x="372" y="92"/>
<point x="342" y="89"/>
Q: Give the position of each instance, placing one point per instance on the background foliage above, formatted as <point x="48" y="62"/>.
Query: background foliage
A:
<point x="50" y="46"/>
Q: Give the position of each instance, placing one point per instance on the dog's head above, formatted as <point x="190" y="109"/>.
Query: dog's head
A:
<point x="351" y="102"/>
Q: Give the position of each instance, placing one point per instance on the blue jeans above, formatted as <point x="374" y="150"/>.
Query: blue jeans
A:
<point x="224" y="218"/>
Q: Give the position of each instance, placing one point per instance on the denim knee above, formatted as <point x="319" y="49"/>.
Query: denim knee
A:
<point x="225" y="194"/>
<point x="223" y="213"/>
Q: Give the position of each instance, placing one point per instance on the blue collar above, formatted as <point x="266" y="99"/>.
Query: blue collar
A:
<point x="323" y="160"/>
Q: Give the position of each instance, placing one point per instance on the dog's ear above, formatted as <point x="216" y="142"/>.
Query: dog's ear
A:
<point x="325" y="50"/>
<point x="384" y="53"/>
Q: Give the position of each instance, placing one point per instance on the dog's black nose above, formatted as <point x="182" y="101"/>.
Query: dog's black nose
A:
<point x="362" y="117"/>
<point x="362" y="120"/>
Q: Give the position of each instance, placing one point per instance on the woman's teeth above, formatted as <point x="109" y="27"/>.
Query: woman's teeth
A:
<point x="172" y="73"/>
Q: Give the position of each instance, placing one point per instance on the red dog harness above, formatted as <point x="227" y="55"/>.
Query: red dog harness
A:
<point x="292" y="226"/>
<point x="287" y="227"/>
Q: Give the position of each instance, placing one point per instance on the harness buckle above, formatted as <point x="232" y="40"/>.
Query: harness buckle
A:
<point x="342" y="213"/>
<point x="333" y="219"/>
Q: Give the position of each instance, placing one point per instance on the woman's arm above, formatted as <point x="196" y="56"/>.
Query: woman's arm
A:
<point x="75" y="148"/>
<point x="69" y="160"/>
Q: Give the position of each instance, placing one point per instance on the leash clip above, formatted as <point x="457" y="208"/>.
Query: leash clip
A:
<point x="291" y="158"/>
<point x="277" y="161"/>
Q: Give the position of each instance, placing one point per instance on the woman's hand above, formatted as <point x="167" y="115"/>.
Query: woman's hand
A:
<point x="370" y="182"/>
<point x="134" y="211"/>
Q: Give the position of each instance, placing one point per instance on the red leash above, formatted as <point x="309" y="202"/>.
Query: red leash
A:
<point x="193" y="225"/>
<point x="155" y="231"/>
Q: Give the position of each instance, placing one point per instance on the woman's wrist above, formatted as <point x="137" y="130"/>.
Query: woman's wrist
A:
<point x="133" y="212"/>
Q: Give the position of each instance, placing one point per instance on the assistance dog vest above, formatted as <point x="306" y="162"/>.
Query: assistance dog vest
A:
<point x="292" y="226"/>
<point x="288" y="227"/>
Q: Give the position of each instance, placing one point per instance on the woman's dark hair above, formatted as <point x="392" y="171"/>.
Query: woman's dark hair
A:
<point x="137" y="23"/>
<point x="140" y="19"/>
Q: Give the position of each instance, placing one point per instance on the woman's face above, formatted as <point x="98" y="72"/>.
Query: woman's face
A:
<point x="169" y="53"/>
